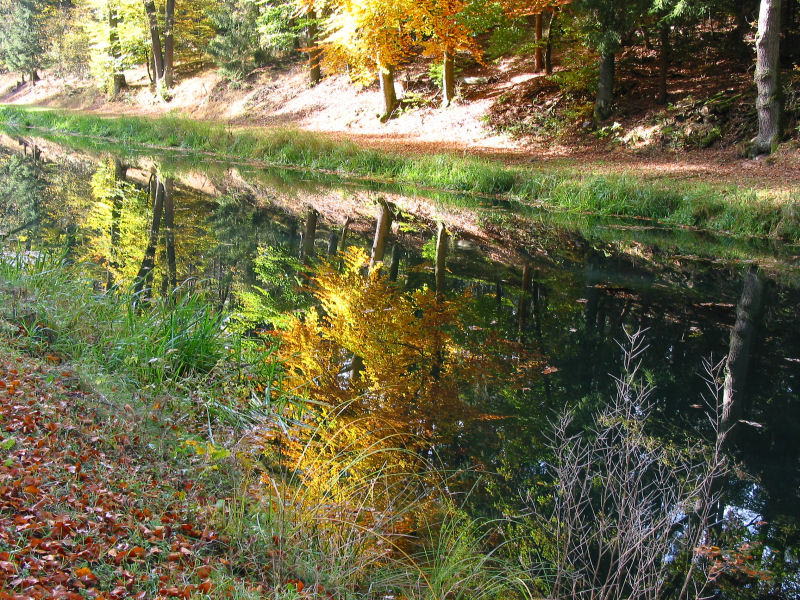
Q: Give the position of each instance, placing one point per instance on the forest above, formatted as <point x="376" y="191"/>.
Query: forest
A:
<point x="410" y="300"/>
<point x="600" y="48"/>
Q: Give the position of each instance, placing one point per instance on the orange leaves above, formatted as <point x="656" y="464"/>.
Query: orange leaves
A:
<point x="86" y="576"/>
<point x="415" y="368"/>
<point x="524" y="8"/>
<point x="71" y="504"/>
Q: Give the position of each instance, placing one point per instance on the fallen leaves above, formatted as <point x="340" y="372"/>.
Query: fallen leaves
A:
<point x="80" y="516"/>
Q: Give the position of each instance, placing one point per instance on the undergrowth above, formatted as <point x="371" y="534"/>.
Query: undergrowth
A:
<point x="304" y="509"/>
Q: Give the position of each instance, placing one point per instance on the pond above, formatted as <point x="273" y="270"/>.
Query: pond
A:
<point x="561" y="289"/>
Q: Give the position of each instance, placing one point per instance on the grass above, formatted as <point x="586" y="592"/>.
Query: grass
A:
<point x="303" y="509"/>
<point x="741" y="211"/>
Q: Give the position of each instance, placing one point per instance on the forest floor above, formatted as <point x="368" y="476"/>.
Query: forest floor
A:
<point x="509" y="114"/>
<point x="100" y="499"/>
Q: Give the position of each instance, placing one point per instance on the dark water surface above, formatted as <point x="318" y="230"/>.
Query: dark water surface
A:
<point x="563" y="286"/>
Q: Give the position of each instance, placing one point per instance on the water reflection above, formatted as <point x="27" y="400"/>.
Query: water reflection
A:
<point x="562" y="293"/>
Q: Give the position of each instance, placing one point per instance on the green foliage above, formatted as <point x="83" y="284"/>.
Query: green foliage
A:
<point x="279" y="293"/>
<point x="278" y="25"/>
<point x="236" y="47"/>
<point x="23" y="186"/>
<point x="21" y="42"/>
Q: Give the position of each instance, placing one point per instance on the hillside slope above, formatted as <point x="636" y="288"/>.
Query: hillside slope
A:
<point x="511" y="114"/>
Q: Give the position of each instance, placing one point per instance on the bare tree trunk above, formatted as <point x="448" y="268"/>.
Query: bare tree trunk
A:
<point x="449" y="78"/>
<point x="768" y="101"/>
<point x="142" y="287"/>
<point x="394" y="267"/>
<point x="539" y="57"/>
<point x="314" y="72"/>
<point x="522" y="309"/>
<point x="548" y="52"/>
<point x="382" y="228"/>
<point x="605" y="89"/>
<point x="169" y="44"/>
<point x="333" y="242"/>
<point x="343" y="238"/>
<point x="309" y="235"/>
<point x="440" y="270"/>
<point x="748" y="312"/>
<point x="155" y="43"/>
<point x="169" y="232"/>
<point x="118" y="82"/>
<point x="386" y="75"/>
<point x="664" y="60"/>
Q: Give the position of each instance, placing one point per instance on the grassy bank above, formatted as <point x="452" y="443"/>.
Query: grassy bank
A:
<point x="152" y="411"/>
<point x="741" y="211"/>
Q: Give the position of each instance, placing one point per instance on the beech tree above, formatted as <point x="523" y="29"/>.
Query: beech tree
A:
<point x="365" y="37"/>
<point x="768" y="101"/>
<point x="445" y="35"/>
<point x="163" y="55"/>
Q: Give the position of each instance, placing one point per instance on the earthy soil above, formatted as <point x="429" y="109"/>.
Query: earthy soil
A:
<point x="281" y="96"/>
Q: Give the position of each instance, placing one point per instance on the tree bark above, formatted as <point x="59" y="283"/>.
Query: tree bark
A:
<point x="539" y="57"/>
<point x="333" y="242"/>
<point x="343" y="238"/>
<point x="768" y="101"/>
<point x="382" y="229"/>
<point x="522" y="309"/>
<point x="386" y="75"/>
<point x="605" y="89"/>
<point x="309" y="235"/>
<point x="314" y="72"/>
<point x="169" y="232"/>
<point x="664" y="60"/>
<point x="169" y="44"/>
<point x="118" y="82"/>
<point x="548" y="52"/>
<point x="141" y="289"/>
<point x="440" y="270"/>
<point x="155" y="43"/>
<point x="448" y="78"/>
<point x="748" y="312"/>
<point x="394" y="267"/>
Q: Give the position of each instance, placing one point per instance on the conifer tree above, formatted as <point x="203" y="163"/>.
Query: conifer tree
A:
<point x="21" y="40"/>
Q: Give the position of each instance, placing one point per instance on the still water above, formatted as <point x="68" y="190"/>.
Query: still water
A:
<point x="562" y="287"/>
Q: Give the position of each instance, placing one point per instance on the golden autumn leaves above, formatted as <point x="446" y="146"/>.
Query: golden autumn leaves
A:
<point x="403" y="358"/>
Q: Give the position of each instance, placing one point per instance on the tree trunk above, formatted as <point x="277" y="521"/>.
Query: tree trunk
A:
<point x="664" y="59"/>
<point x="141" y="289"/>
<point x="448" y="78"/>
<point x="333" y="242"/>
<point x="343" y="238"/>
<point x="748" y="311"/>
<point x="314" y="72"/>
<point x="309" y="235"/>
<point x="394" y="267"/>
<point x="768" y="101"/>
<point x="442" y="239"/>
<point x="548" y="53"/>
<point x="386" y="75"/>
<point x="169" y="44"/>
<point x="169" y="232"/>
<point x="118" y="82"/>
<point x="155" y="43"/>
<point x="539" y="57"/>
<point x="605" y="89"/>
<point x="382" y="229"/>
<point x="522" y="309"/>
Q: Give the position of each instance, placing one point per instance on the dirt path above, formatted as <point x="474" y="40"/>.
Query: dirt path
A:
<point x="281" y="98"/>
